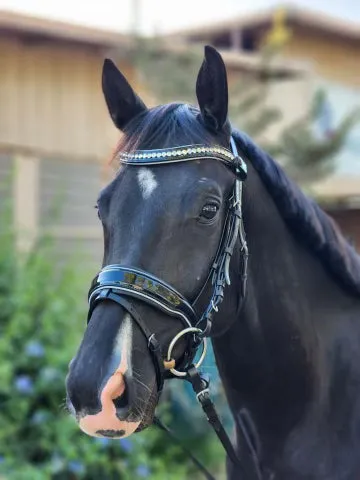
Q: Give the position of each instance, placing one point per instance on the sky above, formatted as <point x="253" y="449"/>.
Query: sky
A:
<point x="158" y="16"/>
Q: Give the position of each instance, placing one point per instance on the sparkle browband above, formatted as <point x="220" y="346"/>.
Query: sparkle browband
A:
<point x="183" y="154"/>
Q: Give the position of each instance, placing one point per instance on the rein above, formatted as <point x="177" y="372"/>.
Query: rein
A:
<point x="120" y="283"/>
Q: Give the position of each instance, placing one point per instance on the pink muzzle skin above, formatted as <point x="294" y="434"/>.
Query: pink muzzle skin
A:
<point x="106" y="419"/>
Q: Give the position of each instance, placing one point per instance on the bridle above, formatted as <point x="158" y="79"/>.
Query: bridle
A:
<point x="117" y="282"/>
<point x="120" y="284"/>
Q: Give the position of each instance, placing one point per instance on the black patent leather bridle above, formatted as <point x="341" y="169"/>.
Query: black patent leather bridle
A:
<point x="120" y="283"/>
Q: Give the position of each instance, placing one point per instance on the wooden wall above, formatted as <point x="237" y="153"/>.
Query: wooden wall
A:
<point x="332" y="58"/>
<point x="51" y="100"/>
<point x="55" y="137"/>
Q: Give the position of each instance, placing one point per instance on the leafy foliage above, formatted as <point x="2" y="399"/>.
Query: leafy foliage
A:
<point x="307" y="155"/>
<point x="170" y="75"/>
<point x="248" y="109"/>
<point x="42" y="312"/>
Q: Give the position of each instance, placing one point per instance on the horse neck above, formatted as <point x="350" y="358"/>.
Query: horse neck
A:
<point x="274" y="357"/>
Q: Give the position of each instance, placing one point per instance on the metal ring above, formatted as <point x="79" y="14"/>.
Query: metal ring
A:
<point x="175" y="372"/>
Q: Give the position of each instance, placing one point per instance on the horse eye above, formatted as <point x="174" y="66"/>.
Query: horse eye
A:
<point x="209" y="211"/>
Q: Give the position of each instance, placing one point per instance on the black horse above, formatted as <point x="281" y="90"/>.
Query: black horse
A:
<point x="288" y="350"/>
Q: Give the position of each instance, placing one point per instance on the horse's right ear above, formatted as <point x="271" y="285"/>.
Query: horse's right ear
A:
<point x="122" y="102"/>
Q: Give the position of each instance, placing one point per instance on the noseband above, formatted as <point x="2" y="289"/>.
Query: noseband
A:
<point x="118" y="282"/>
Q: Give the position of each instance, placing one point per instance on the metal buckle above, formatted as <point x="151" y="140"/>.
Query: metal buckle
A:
<point x="214" y="306"/>
<point x="201" y="396"/>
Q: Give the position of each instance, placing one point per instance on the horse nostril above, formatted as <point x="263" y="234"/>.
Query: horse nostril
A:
<point x="122" y="401"/>
<point x="116" y="394"/>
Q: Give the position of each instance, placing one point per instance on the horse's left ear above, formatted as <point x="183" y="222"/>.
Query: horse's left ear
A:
<point x="212" y="90"/>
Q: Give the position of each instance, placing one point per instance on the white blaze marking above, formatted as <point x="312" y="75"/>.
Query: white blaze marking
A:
<point x="115" y="386"/>
<point x="123" y="344"/>
<point x="147" y="182"/>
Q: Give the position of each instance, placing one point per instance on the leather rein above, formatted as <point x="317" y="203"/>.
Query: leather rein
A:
<point x="120" y="283"/>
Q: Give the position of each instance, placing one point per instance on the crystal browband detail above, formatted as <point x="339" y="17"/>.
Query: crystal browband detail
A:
<point x="182" y="154"/>
<point x="178" y="152"/>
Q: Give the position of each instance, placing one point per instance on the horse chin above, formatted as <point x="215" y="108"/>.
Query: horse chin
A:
<point x="107" y="427"/>
<point x="107" y="423"/>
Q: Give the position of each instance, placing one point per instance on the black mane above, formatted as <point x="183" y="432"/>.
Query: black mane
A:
<point x="164" y="126"/>
<point x="304" y="216"/>
<point x="177" y="124"/>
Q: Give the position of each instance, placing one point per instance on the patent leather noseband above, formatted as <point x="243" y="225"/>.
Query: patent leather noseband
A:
<point x="144" y="286"/>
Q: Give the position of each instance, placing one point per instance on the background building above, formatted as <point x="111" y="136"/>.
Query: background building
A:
<point x="56" y="132"/>
<point x="54" y="127"/>
<point x="327" y="52"/>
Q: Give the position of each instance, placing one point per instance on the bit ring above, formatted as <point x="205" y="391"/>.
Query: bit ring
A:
<point x="173" y="342"/>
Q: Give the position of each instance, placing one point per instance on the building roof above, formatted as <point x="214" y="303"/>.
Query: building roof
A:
<point x="39" y="27"/>
<point x="14" y="22"/>
<point x="242" y="61"/>
<point x="338" y="188"/>
<point x="310" y="19"/>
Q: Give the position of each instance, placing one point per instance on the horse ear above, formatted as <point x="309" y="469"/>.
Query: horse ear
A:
<point x="122" y="102"/>
<point x="212" y="90"/>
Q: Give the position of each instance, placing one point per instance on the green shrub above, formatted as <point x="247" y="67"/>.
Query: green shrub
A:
<point x="42" y="318"/>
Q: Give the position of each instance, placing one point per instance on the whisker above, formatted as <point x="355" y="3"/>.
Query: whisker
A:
<point x="148" y="389"/>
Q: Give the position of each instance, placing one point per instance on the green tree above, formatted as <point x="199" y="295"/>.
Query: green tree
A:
<point x="307" y="156"/>
<point x="169" y="73"/>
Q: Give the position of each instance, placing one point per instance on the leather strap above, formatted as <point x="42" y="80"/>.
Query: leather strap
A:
<point x="249" y="465"/>
<point x="196" y="462"/>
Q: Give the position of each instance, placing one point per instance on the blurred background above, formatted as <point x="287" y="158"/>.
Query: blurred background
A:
<point x="294" y="87"/>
